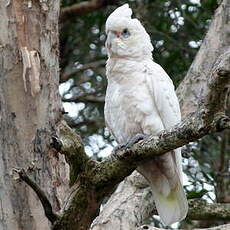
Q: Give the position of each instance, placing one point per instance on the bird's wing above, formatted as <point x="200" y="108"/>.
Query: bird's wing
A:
<point x="163" y="92"/>
<point x="165" y="174"/>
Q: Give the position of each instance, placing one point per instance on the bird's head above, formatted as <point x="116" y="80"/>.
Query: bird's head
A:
<point x="126" y="37"/>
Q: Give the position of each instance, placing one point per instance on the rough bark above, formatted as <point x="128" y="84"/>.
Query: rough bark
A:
<point x="91" y="180"/>
<point x="201" y="210"/>
<point x="215" y="42"/>
<point x="29" y="110"/>
<point x="128" y="206"/>
<point x="189" y="91"/>
<point x="132" y="202"/>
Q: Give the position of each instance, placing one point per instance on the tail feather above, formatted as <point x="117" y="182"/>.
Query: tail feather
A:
<point x="172" y="208"/>
<point x="164" y="176"/>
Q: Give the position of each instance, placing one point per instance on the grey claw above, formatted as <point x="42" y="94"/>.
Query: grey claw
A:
<point x="118" y="147"/>
<point x="135" y="139"/>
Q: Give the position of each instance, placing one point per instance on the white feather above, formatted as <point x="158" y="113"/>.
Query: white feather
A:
<point x="121" y="12"/>
<point x="140" y="98"/>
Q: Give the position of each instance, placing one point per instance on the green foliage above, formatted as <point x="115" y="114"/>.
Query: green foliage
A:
<point x="194" y="194"/>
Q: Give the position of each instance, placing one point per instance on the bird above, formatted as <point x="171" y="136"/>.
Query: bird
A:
<point x="141" y="99"/>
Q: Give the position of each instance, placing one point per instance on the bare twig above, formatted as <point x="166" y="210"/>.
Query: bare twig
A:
<point x="75" y="124"/>
<point x="52" y="217"/>
<point x="83" y="8"/>
<point x="68" y="74"/>
<point x="85" y="99"/>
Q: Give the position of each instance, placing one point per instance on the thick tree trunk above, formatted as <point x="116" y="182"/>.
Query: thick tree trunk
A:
<point x="126" y="215"/>
<point x="29" y="108"/>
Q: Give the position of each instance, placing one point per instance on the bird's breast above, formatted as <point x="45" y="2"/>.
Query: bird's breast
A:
<point x="127" y="104"/>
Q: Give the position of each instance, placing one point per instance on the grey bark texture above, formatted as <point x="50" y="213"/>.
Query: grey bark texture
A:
<point x="29" y="109"/>
<point x="216" y="41"/>
<point x="129" y="200"/>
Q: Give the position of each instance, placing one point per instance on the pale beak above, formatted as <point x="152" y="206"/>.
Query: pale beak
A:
<point x="118" y="34"/>
<point x="108" y="44"/>
<point x="109" y="39"/>
<point x="111" y="35"/>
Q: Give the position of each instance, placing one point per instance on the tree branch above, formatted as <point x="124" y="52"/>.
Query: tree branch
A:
<point x="68" y="74"/>
<point x="70" y="144"/>
<point x="136" y="204"/>
<point x="83" y="8"/>
<point x="215" y="42"/>
<point x="201" y="210"/>
<point x="85" y="99"/>
<point x="51" y="216"/>
<point x="132" y="201"/>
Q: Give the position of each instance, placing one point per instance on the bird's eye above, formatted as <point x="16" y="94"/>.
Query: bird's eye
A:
<point x="125" y="33"/>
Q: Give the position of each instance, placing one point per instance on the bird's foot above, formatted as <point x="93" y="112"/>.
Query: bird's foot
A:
<point x="130" y="143"/>
<point x="117" y="148"/>
<point x="135" y="139"/>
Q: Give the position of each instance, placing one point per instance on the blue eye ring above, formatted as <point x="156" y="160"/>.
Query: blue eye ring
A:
<point x="125" y="33"/>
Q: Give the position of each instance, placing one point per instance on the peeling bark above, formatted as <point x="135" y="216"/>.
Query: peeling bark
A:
<point x="29" y="110"/>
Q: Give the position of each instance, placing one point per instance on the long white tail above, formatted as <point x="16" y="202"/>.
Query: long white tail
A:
<point x="164" y="174"/>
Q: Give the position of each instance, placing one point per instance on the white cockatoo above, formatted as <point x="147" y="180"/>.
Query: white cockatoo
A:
<point x="140" y="99"/>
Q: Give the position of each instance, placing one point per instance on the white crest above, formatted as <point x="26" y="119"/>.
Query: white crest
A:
<point x="121" y="12"/>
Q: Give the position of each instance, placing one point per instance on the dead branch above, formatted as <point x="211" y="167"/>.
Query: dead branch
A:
<point x="70" y="73"/>
<point x="83" y="8"/>
<point x="51" y="216"/>
<point x="85" y="99"/>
